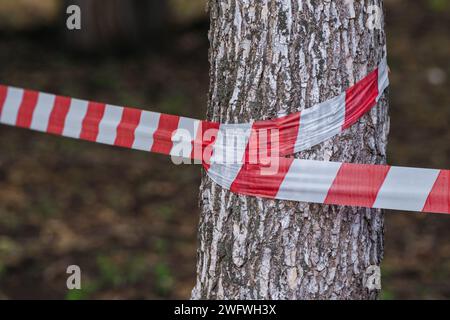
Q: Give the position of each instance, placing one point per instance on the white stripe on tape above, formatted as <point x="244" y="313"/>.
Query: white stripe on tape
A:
<point x="107" y="129"/>
<point x="308" y="180"/>
<point x="143" y="135"/>
<point x="74" y="119"/>
<point x="182" y="137"/>
<point x="229" y="147"/>
<point x="42" y="112"/>
<point x="383" y="78"/>
<point x="320" y="122"/>
<point x="11" y="107"/>
<point x="406" y="188"/>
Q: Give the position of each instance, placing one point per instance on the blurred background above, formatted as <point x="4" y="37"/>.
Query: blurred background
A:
<point x="113" y="211"/>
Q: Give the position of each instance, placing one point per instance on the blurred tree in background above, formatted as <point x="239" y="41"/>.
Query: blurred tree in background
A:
<point x="105" y="24"/>
<point x="112" y="22"/>
<point x="27" y="14"/>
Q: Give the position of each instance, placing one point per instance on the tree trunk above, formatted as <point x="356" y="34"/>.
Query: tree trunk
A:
<point x="270" y="58"/>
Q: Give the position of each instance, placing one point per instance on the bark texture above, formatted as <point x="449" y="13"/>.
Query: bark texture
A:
<point x="270" y="58"/>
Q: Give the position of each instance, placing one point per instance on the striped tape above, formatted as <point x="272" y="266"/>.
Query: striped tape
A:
<point x="155" y="132"/>
<point x="224" y="149"/>
<point x="362" y="185"/>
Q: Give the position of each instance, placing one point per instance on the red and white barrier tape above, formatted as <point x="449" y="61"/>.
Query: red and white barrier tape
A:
<point x="347" y="184"/>
<point x="298" y="180"/>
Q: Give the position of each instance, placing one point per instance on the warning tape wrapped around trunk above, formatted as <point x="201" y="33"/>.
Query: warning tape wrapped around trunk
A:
<point x="372" y="186"/>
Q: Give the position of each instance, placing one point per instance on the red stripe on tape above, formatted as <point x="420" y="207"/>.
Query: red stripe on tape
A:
<point x="357" y="185"/>
<point x="360" y="98"/>
<point x="94" y="114"/>
<point x="162" y="138"/>
<point x="289" y="126"/>
<point x="58" y="115"/>
<point x="250" y="181"/>
<point x="3" y="93"/>
<point x="269" y="171"/>
<point x="287" y="129"/>
<point x="26" y="109"/>
<point x="439" y="198"/>
<point x="127" y="126"/>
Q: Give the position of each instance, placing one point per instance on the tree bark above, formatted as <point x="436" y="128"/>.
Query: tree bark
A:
<point x="270" y="58"/>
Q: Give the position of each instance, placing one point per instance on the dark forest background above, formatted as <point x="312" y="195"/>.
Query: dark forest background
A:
<point x="129" y="218"/>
